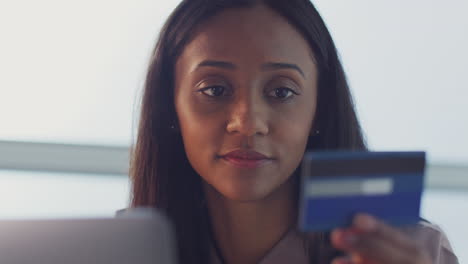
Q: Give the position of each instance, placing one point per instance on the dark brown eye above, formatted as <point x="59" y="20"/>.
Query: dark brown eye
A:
<point x="214" y="91"/>
<point x="282" y="93"/>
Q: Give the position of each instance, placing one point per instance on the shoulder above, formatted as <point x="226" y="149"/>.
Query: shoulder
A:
<point x="434" y="239"/>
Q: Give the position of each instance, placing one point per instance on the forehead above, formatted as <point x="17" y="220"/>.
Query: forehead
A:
<point x="248" y="36"/>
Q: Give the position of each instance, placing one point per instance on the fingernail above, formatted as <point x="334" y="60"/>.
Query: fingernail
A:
<point x="365" y="222"/>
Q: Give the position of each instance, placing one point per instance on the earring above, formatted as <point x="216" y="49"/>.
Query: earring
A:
<point x="317" y="132"/>
<point x="173" y="126"/>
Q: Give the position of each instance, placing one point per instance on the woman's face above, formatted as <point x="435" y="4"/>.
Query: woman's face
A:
<point x="246" y="82"/>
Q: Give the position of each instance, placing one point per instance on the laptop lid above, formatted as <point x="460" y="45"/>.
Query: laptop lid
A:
<point x="142" y="238"/>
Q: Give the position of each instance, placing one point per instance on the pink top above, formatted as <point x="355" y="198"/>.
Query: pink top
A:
<point x="291" y="250"/>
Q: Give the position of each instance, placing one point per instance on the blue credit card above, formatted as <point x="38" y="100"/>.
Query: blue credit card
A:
<point x="337" y="185"/>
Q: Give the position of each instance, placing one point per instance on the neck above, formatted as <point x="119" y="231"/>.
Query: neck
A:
<point x="246" y="231"/>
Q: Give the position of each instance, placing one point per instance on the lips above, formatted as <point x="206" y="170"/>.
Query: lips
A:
<point x="246" y="158"/>
<point x="246" y="154"/>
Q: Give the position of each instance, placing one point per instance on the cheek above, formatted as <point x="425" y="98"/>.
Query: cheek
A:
<point x="292" y="130"/>
<point x="201" y="134"/>
<point x="291" y="137"/>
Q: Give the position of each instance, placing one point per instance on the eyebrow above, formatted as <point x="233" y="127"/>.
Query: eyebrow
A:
<point x="218" y="64"/>
<point x="267" y="66"/>
<point x="282" y="65"/>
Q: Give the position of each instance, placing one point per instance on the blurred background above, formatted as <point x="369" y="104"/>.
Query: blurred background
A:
<point x="71" y="74"/>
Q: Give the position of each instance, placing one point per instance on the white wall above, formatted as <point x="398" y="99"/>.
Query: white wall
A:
<point x="70" y="70"/>
<point x="406" y="62"/>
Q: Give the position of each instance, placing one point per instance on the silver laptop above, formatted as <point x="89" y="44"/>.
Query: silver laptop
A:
<point x="136" y="236"/>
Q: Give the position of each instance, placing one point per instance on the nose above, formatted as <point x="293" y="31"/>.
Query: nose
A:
<point x="248" y="118"/>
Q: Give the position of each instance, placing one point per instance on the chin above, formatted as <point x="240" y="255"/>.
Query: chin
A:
<point x="247" y="187"/>
<point x="245" y="192"/>
<point x="243" y="196"/>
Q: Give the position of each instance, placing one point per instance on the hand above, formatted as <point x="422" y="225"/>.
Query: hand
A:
<point x="370" y="241"/>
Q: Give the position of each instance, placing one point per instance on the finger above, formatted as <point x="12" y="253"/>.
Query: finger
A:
<point x="352" y="259"/>
<point x="358" y="259"/>
<point x="369" y="224"/>
<point x="373" y="249"/>
<point x="362" y="248"/>
<point x="342" y="260"/>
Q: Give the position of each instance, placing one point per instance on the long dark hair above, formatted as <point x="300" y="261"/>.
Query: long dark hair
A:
<point x="160" y="171"/>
